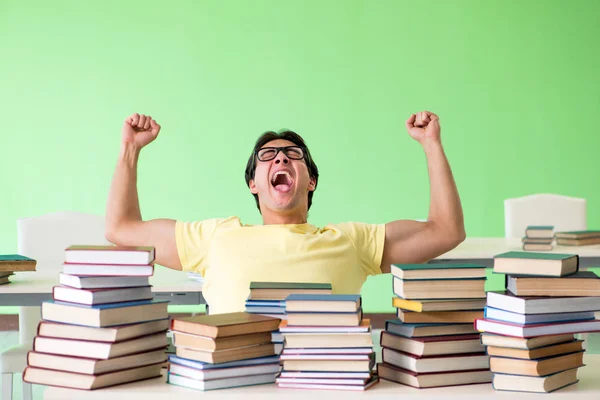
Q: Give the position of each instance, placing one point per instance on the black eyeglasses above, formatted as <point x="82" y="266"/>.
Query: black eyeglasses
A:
<point x="269" y="153"/>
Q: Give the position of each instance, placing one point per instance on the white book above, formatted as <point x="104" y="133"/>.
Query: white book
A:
<point x="527" y="331"/>
<point x="126" y="255"/>
<point x="541" y="305"/>
<point x="97" y="282"/>
<point x="222" y="373"/>
<point x="525" y="319"/>
<point x="107" y="270"/>
<point x="221" y="383"/>
<point x="204" y="366"/>
<point x="101" y="296"/>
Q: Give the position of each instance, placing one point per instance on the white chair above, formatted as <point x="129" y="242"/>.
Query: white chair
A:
<point x="44" y="238"/>
<point x="563" y="212"/>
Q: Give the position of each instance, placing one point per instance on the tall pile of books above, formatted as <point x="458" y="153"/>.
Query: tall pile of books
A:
<point x="578" y="238"/>
<point x="268" y="298"/>
<point x="223" y="351"/>
<point x="538" y="238"/>
<point x="102" y="328"/>
<point x="11" y="263"/>
<point x="327" y="344"/>
<point x="529" y="328"/>
<point x="433" y="343"/>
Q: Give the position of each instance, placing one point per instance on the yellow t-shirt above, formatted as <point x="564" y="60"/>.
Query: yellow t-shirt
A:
<point x="230" y="255"/>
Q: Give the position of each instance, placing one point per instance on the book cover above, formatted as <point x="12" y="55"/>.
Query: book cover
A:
<point x="535" y="256"/>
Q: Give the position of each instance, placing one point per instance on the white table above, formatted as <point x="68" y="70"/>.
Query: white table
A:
<point x="482" y="251"/>
<point x="155" y="389"/>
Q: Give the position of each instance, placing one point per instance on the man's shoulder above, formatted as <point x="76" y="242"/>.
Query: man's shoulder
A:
<point x="221" y="222"/>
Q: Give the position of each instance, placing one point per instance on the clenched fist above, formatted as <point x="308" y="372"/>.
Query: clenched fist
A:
<point x="424" y="126"/>
<point x="139" y="130"/>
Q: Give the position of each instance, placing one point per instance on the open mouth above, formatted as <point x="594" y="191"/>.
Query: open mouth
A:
<point x="282" y="181"/>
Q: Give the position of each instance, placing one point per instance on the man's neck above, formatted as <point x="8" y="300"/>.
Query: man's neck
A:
<point x="271" y="218"/>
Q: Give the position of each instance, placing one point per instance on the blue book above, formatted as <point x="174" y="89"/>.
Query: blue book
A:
<point x="531" y="319"/>
<point x="400" y="328"/>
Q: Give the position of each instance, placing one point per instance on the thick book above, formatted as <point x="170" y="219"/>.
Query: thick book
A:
<point x="527" y="331"/>
<point x="224" y="383"/>
<point x="173" y="359"/>
<point x="16" y="263"/>
<point x="203" y="343"/>
<point x="533" y="263"/>
<point x="438" y="271"/>
<point x="324" y="318"/>
<point x="578" y="242"/>
<point x="439" y="289"/>
<point x="534" y="354"/>
<point x="537" y="246"/>
<point x="343" y="303"/>
<point x="223" y="325"/>
<point x="89" y="366"/>
<point x="111" y="335"/>
<point x="424" y="330"/>
<point x="490" y="339"/>
<point x="579" y="284"/>
<point x="438" y="305"/>
<point x="505" y="300"/>
<point x="535" y="384"/>
<point x="539" y="231"/>
<point x="108" y="270"/>
<point x="227" y="355"/>
<point x="104" y="315"/>
<point x="431" y="346"/>
<point x="72" y="380"/>
<point x="281" y="290"/>
<point x="578" y="234"/>
<point x="100" y="254"/>
<point x="328" y="340"/>
<point x="432" y="379"/>
<point x="444" y="363"/>
<point x="528" y="319"/>
<point x="540" y="367"/>
<point x="332" y="363"/>
<point x="439" y="317"/>
<point x="364" y="326"/>
<point x="98" y="282"/>
<point x="324" y="385"/>
<point x="101" y="296"/>
<point x="222" y="373"/>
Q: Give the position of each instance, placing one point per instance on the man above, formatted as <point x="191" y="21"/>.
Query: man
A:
<point x="283" y="177"/>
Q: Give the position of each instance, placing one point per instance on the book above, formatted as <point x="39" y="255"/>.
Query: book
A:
<point x="439" y="289"/>
<point x="224" y="325"/>
<point x="281" y="290"/>
<point x="16" y="263"/>
<point x="539" y="231"/>
<point x="422" y="330"/>
<point x="99" y="350"/>
<point x="444" y="363"/>
<point x="438" y="271"/>
<point x="527" y="319"/>
<point x="430" y="346"/>
<point x="115" y="255"/>
<point x="173" y="359"/>
<point x="324" y="386"/>
<point x="534" y="384"/>
<point x="489" y="339"/>
<point x="328" y="340"/>
<point x="90" y="366"/>
<point x="222" y="373"/>
<point x="96" y="282"/>
<point x="439" y="317"/>
<point x="324" y="319"/>
<point x="89" y="382"/>
<point x="227" y="355"/>
<point x="204" y="343"/>
<point x="432" y="379"/>
<point x="527" y="331"/>
<point x="438" y="304"/>
<point x="537" y="246"/>
<point x="540" y="367"/>
<point x="342" y="303"/>
<point x="224" y="383"/>
<point x="526" y="239"/>
<point x="532" y="263"/>
<point x="331" y="363"/>
<point x="364" y="326"/>
<point x="95" y="270"/>
<point x="585" y="234"/>
<point x="113" y="334"/>
<point x="579" y="284"/>
<point x="578" y="242"/>
<point x="101" y="296"/>
<point x="505" y="300"/>
<point x="541" y="352"/>
<point x="104" y="315"/>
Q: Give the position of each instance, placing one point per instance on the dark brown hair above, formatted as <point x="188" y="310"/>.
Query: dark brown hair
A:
<point x="293" y="137"/>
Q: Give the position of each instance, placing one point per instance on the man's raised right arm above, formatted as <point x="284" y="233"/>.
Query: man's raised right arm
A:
<point x="124" y="224"/>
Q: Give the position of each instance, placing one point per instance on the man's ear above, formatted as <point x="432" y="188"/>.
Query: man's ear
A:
<point x="312" y="185"/>
<point x="253" y="188"/>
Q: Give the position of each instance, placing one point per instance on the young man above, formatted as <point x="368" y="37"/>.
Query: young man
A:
<point x="286" y="248"/>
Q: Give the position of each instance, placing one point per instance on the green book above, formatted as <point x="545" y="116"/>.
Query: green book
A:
<point x="16" y="262"/>
<point x="528" y="255"/>
<point x="534" y="263"/>
<point x="540" y="227"/>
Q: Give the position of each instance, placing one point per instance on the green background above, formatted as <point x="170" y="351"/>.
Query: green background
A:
<point x="514" y="82"/>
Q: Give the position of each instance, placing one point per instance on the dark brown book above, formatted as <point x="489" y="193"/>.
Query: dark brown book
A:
<point x="224" y="325"/>
<point x="16" y="262"/>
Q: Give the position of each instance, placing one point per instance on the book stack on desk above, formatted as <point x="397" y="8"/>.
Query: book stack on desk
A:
<point x="102" y="328"/>
<point x="529" y="327"/>
<point x="327" y="344"/>
<point x="538" y="238"/>
<point x="578" y="238"/>
<point x="268" y="298"/>
<point x="223" y="351"/>
<point x="11" y="263"/>
<point x="433" y="343"/>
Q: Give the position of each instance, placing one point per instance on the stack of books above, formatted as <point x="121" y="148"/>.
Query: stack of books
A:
<point x="529" y="328"/>
<point x="11" y="263"/>
<point x="268" y="298"/>
<point x="538" y="238"/>
<point x="102" y="328"/>
<point x="327" y="344"/>
<point x="578" y="238"/>
<point x="433" y="343"/>
<point x="223" y="351"/>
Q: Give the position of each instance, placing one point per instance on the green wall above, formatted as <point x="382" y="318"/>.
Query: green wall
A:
<point x="514" y="82"/>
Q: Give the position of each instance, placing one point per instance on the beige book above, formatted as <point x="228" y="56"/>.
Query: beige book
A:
<point x="534" y="384"/>
<point x="221" y="356"/>
<point x="442" y="317"/>
<point x="541" y="352"/>
<point x="204" y="343"/>
<point x="542" y="367"/>
<point x="489" y="339"/>
<point x="327" y="340"/>
<point x="111" y="335"/>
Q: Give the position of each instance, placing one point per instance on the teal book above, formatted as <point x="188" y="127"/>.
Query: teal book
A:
<point x="16" y="262"/>
<point x="534" y="263"/>
<point x="438" y="271"/>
